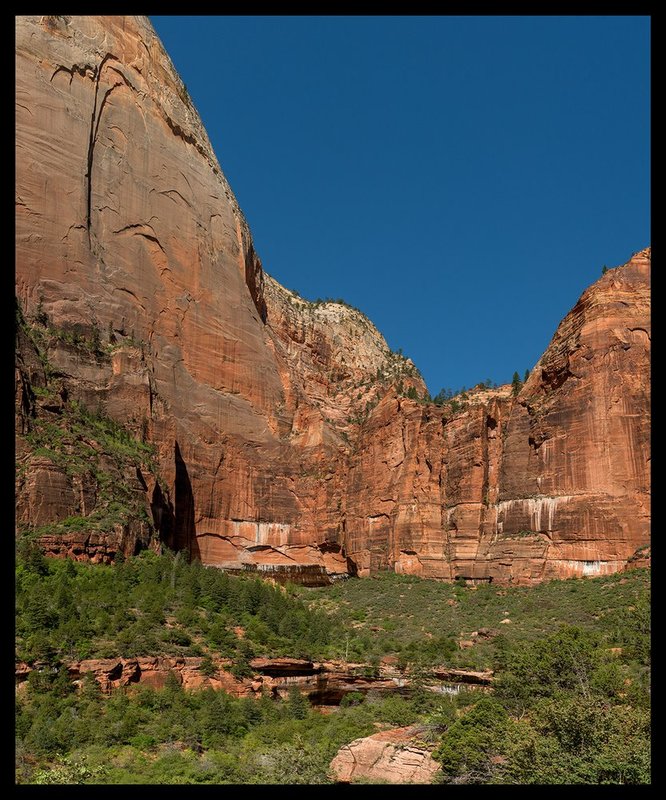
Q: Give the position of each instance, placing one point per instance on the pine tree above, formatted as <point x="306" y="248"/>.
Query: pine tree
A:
<point x="515" y="384"/>
<point x="297" y="704"/>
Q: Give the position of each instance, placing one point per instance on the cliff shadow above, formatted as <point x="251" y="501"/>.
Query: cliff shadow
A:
<point x="174" y="521"/>
<point x="184" y="535"/>
<point x="163" y="517"/>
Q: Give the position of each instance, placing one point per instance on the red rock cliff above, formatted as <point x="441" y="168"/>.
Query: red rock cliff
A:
<point x="575" y="466"/>
<point x="283" y="439"/>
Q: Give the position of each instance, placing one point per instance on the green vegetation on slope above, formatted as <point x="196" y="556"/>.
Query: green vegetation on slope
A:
<point x="571" y="700"/>
<point x="152" y="605"/>
<point x="172" y="736"/>
<point x="101" y="457"/>
<point x="565" y="710"/>
<point x="101" y="452"/>
<point x="420" y="620"/>
<point x="570" y="703"/>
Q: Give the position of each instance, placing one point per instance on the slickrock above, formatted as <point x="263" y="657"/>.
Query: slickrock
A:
<point x="385" y="757"/>
<point x="284" y="443"/>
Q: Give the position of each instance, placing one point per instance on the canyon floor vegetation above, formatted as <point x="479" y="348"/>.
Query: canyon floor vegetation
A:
<point x="570" y="702"/>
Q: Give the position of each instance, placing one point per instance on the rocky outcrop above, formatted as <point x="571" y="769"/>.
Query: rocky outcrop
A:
<point x="151" y="671"/>
<point x="324" y="683"/>
<point x="336" y="366"/>
<point x="385" y="757"/>
<point x="283" y="441"/>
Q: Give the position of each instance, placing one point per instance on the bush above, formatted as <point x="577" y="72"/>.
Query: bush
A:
<point x="66" y="770"/>
<point x="177" y="636"/>
<point x="207" y="667"/>
<point x="566" y="661"/>
<point x="352" y="699"/>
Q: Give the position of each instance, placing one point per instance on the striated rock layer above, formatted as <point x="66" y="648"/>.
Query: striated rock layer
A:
<point x="284" y="440"/>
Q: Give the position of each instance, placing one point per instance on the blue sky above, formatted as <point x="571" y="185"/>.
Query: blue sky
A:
<point x="461" y="180"/>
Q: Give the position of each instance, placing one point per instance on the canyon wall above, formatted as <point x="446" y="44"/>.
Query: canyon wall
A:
<point x="283" y="440"/>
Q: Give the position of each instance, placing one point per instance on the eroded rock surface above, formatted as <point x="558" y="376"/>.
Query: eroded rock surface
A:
<point x="385" y="757"/>
<point x="284" y="442"/>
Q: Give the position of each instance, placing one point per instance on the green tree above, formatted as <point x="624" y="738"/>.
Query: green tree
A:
<point x="579" y="741"/>
<point x="39" y="615"/>
<point x="352" y="699"/>
<point x="298" y="705"/>
<point x="41" y="317"/>
<point x="33" y="557"/>
<point x="241" y="668"/>
<point x="95" y="339"/>
<point x="471" y="749"/>
<point x="172" y="686"/>
<point x="563" y="662"/>
<point x="516" y="384"/>
<point x="90" y="689"/>
<point x="442" y="396"/>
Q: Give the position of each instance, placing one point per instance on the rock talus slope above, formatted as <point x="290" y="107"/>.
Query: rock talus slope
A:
<point x="283" y="438"/>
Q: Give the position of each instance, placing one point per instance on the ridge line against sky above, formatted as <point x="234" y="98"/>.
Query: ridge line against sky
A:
<point x="460" y="180"/>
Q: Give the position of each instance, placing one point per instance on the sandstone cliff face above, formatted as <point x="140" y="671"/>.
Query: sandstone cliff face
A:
<point x="283" y="440"/>
<point x="576" y="461"/>
<point x="335" y="364"/>
<point x="127" y="230"/>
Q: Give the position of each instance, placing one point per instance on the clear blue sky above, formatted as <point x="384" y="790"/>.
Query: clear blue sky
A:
<point x="461" y="180"/>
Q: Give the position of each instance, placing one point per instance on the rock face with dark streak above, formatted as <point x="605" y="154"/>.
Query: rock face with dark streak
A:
<point x="285" y="444"/>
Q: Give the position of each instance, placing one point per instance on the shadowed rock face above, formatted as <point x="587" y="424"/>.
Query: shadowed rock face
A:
<point x="281" y="438"/>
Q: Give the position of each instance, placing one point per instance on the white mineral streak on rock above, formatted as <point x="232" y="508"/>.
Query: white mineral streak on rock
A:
<point x="541" y="510"/>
